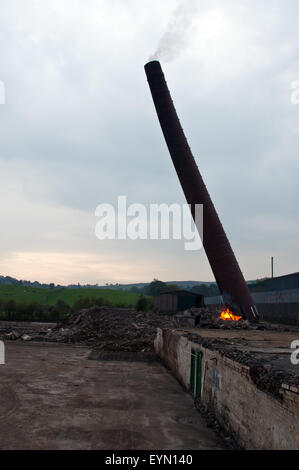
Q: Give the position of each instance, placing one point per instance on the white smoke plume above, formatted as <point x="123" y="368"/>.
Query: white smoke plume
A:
<point x="178" y="33"/>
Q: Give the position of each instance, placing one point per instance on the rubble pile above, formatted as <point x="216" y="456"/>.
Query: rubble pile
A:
<point x="23" y="333"/>
<point x="207" y="318"/>
<point x="111" y="329"/>
<point x="104" y="328"/>
<point x="271" y="380"/>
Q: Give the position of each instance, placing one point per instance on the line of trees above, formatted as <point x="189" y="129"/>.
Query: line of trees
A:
<point x="154" y="288"/>
<point x="33" y="311"/>
<point x="158" y="287"/>
<point x="10" y="310"/>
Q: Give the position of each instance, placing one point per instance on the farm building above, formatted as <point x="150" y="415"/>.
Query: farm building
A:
<point x="177" y="301"/>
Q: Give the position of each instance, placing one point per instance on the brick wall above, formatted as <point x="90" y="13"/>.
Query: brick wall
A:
<point x="259" y="420"/>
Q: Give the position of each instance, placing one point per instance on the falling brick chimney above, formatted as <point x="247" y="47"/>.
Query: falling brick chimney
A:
<point x="230" y="280"/>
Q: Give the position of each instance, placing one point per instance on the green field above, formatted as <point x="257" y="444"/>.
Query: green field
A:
<point x="69" y="296"/>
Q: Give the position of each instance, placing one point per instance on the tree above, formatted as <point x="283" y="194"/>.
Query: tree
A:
<point x="141" y="303"/>
<point x="99" y="301"/>
<point x="155" y="287"/>
<point x="170" y="288"/>
<point x="60" y="311"/>
<point x="10" y="307"/>
<point x="82" y="302"/>
<point x="134" y="290"/>
<point x="22" y="311"/>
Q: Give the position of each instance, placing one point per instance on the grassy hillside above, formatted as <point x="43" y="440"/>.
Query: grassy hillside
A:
<point x="69" y="296"/>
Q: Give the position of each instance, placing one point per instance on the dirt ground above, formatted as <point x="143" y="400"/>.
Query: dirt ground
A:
<point x="54" y="397"/>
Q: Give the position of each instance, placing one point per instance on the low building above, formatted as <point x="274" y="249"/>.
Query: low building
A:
<point x="177" y="301"/>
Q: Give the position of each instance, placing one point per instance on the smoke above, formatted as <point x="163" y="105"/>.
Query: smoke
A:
<point x="178" y="33"/>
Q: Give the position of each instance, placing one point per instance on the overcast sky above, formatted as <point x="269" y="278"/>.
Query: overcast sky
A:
<point x="79" y="128"/>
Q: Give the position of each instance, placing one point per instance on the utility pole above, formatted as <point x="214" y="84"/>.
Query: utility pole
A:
<point x="272" y="264"/>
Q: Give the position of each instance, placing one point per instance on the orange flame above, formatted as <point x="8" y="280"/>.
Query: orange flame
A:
<point x="228" y="315"/>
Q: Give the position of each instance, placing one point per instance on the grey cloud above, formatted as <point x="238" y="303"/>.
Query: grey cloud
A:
<point x="79" y="126"/>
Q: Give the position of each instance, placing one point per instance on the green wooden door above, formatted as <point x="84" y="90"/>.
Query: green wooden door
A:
<point x="195" y="372"/>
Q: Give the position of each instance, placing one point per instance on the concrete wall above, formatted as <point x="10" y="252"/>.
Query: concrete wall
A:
<point x="259" y="420"/>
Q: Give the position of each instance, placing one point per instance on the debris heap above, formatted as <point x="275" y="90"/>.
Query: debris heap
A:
<point x="208" y="318"/>
<point x="111" y="329"/>
<point x="102" y="328"/>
